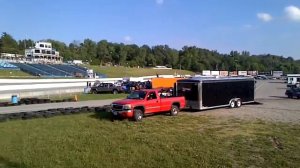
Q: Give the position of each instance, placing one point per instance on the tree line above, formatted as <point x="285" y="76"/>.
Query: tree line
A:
<point x="188" y="58"/>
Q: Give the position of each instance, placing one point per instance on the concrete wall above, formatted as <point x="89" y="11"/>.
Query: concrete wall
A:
<point x="38" y="87"/>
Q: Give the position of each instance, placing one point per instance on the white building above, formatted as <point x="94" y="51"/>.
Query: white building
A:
<point x="293" y="79"/>
<point x="43" y="53"/>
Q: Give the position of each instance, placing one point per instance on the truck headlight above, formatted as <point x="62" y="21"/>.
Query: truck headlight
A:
<point x="127" y="107"/>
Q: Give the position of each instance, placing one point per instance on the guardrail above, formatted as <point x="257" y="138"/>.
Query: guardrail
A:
<point x="34" y="87"/>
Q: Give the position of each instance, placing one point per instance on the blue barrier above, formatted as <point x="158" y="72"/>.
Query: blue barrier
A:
<point x="14" y="99"/>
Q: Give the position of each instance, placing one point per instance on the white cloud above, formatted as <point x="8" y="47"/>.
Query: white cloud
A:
<point x="159" y="2"/>
<point x="264" y="17"/>
<point x="292" y="13"/>
<point x="127" y="39"/>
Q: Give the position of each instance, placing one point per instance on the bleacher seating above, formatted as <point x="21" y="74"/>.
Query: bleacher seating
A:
<point x="31" y="70"/>
<point x="54" y="70"/>
<point x="70" y="69"/>
<point x="51" y="70"/>
<point x="79" y="67"/>
<point x="6" y="65"/>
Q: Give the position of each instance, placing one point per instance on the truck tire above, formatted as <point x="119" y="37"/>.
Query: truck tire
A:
<point x="238" y="103"/>
<point x="115" y="92"/>
<point x="174" y="110"/>
<point x="232" y="104"/>
<point x="137" y="114"/>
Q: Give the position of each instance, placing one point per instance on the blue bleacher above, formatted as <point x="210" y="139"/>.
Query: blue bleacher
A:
<point x="31" y="70"/>
<point x="70" y="69"/>
<point x="53" y="70"/>
<point x="79" y="67"/>
<point x="6" y="65"/>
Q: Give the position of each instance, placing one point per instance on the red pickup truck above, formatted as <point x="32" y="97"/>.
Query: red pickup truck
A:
<point x="148" y="101"/>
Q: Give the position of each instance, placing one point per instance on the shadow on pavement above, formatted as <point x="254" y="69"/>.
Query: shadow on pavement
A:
<point x="255" y="103"/>
<point x="195" y="111"/>
<point x="276" y="82"/>
<point x="282" y="88"/>
<point x="281" y="97"/>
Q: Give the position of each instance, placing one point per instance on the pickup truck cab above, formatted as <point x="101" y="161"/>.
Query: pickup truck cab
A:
<point x="148" y="101"/>
<point x="106" y="88"/>
<point x="293" y="91"/>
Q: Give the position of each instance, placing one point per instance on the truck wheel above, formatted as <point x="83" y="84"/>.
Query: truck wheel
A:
<point x="137" y="114"/>
<point x="174" y="110"/>
<point x="232" y="104"/>
<point x="115" y="92"/>
<point x="238" y="103"/>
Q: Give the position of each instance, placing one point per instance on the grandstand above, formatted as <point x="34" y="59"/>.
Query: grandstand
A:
<point x="8" y="66"/>
<point x="69" y="68"/>
<point x="54" y="70"/>
<point x="43" y="60"/>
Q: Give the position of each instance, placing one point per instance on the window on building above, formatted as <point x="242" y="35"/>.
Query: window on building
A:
<point x="48" y="52"/>
<point x="42" y="45"/>
<point x="43" y="51"/>
<point x="36" y="51"/>
<point x="53" y="52"/>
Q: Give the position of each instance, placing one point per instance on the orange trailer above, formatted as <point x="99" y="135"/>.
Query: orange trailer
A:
<point x="164" y="82"/>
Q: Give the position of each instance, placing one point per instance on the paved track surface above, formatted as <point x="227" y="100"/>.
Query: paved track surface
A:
<point x="274" y="107"/>
<point x="37" y="107"/>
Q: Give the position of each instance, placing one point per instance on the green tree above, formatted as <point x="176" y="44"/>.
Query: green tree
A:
<point x="88" y="50"/>
<point x="8" y="44"/>
<point x="24" y="44"/>
<point x="102" y="52"/>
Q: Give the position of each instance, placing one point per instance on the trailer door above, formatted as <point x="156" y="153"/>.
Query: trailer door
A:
<point x="190" y="91"/>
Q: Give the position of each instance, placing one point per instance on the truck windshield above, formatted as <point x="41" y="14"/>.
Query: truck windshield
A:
<point x="137" y="95"/>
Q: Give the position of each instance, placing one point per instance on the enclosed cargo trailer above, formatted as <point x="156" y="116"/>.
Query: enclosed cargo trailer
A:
<point x="207" y="93"/>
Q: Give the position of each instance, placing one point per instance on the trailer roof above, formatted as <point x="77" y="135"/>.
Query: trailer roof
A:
<point x="216" y="79"/>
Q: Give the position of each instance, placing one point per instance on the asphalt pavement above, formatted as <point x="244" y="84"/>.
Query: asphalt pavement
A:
<point x="46" y="106"/>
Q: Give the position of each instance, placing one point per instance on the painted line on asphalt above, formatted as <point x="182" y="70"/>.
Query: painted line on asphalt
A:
<point x="256" y="88"/>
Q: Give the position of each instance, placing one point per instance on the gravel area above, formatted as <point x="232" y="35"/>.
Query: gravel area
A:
<point x="274" y="105"/>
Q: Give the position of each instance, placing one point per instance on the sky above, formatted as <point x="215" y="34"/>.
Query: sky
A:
<point x="257" y="26"/>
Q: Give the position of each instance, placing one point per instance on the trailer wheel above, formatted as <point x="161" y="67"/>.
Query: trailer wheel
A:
<point x="174" y="110"/>
<point x="238" y="103"/>
<point x="232" y="104"/>
<point x="137" y="114"/>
